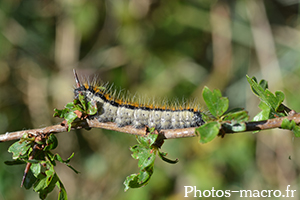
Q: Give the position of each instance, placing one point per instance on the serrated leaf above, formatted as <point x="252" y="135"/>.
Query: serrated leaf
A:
<point x="208" y="131"/>
<point x="216" y="104"/>
<point x="145" y="155"/>
<point x="264" y="114"/>
<point x="265" y="95"/>
<point x="19" y="148"/>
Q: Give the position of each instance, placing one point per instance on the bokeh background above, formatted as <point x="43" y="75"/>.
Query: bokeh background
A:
<point x="157" y="48"/>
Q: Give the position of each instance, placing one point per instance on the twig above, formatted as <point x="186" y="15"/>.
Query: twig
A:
<point x="168" y="133"/>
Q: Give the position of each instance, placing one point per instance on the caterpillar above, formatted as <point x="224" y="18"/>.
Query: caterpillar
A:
<point x="123" y="111"/>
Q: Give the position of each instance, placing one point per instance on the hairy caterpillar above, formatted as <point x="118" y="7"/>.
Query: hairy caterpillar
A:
<point x="122" y="111"/>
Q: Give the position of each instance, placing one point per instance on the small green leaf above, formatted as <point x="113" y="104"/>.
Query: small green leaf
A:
<point x="216" y="104"/>
<point x="147" y="141"/>
<point x="14" y="162"/>
<point x="29" y="180"/>
<point x="239" y="116"/>
<point x="271" y="100"/>
<point x="19" y="148"/>
<point x="62" y="195"/>
<point x="131" y="181"/>
<point x="82" y="101"/>
<point x="208" y="131"/>
<point x="162" y="155"/>
<point x="70" y="106"/>
<point x="70" y="117"/>
<point x="263" y="84"/>
<point x="264" y="114"/>
<point x="41" y="182"/>
<point x="144" y="175"/>
<point x="92" y="108"/>
<point x="138" y="180"/>
<point x="36" y="169"/>
<point x="146" y="158"/>
<point x="51" y="142"/>
<point x="59" y="159"/>
<point x="51" y="182"/>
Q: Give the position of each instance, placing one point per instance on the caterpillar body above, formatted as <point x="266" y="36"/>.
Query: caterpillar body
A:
<point x="124" y="112"/>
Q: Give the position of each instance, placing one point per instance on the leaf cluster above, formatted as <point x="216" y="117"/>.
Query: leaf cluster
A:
<point x="40" y="161"/>
<point x="79" y="108"/>
<point x="145" y="152"/>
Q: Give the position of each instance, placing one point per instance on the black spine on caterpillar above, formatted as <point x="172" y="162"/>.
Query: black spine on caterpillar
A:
<point x="139" y="116"/>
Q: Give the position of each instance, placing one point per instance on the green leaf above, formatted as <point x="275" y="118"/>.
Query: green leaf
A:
<point x="70" y="106"/>
<point x="29" y="180"/>
<point x="62" y="195"/>
<point x="271" y="100"/>
<point x="146" y="156"/>
<point x="51" y="142"/>
<point x="82" y="101"/>
<point x="14" y="162"/>
<point x="264" y="114"/>
<point x="59" y="159"/>
<point x="263" y="84"/>
<point x="41" y="183"/>
<point x="19" y="148"/>
<point x="92" y="108"/>
<point x="145" y="152"/>
<point x="291" y="125"/>
<point x="208" y="131"/>
<point x="216" y="104"/>
<point x="51" y="184"/>
<point x="236" y="117"/>
<point x="147" y="141"/>
<point x="70" y="117"/>
<point x="138" y="180"/>
<point x="162" y="155"/>
<point x="36" y="169"/>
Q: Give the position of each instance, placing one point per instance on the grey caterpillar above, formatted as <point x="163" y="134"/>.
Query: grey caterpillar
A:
<point x="123" y="112"/>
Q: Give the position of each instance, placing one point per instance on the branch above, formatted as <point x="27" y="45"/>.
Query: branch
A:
<point x="168" y="133"/>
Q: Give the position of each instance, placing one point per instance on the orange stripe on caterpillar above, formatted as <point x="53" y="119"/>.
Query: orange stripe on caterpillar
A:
<point x="139" y="115"/>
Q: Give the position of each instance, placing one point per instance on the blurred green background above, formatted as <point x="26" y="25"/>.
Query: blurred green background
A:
<point x="164" y="49"/>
